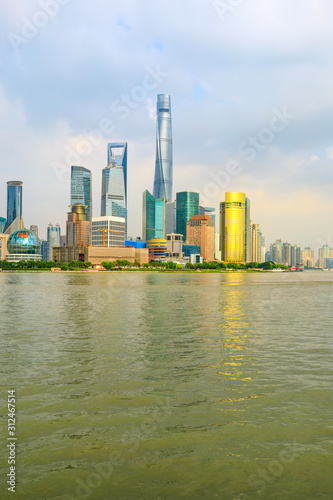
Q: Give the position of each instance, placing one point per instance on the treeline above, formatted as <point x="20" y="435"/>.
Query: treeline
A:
<point x="44" y="265"/>
<point x="120" y="264"/>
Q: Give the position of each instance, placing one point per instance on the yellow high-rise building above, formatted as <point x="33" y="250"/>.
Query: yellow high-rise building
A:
<point x="232" y="227"/>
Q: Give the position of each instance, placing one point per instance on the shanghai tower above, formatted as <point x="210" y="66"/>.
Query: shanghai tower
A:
<point x="163" y="164"/>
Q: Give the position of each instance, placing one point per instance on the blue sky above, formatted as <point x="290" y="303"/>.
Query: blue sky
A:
<point x="250" y="84"/>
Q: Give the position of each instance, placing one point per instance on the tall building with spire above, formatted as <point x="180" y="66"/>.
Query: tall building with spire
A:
<point x="164" y="164"/>
<point x="114" y="182"/>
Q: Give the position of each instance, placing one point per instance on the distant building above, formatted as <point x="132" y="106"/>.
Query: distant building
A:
<point x="114" y="182"/>
<point x="276" y="252"/>
<point x="43" y="250"/>
<point x="257" y="244"/>
<point x="81" y="188"/>
<point x="14" y="204"/>
<point x="187" y="205"/>
<point x="200" y="231"/>
<point x="329" y="263"/>
<point x="135" y="244"/>
<point x="113" y="229"/>
<point x="174" y="245"/>
<point x="163" y="179"/>
<point x="23" y="245"/>
<point x="189" y="250"/>
<point x="2" y="224"/>
<point x="96" y="255"/>
<point x="157" y="248"/>
<point x="325" y="252"/>
<point x="170" y="217"/>
<point x="53" y="239"/>
<point x="34" y="229"/>
<point x="248" y="233"/>
<point x="232" y="227"/>
<point x="153" y="217"/>
<point x="77" y="226"/>
<point x="308" y="257"/>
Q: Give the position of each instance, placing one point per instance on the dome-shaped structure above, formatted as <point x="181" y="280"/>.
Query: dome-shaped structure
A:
<point x="23" y="242"/>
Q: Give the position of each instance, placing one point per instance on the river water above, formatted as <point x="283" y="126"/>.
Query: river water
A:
<point x="169" y="386"/>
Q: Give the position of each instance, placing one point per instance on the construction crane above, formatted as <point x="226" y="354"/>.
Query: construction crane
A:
<point x="106" y="231"/>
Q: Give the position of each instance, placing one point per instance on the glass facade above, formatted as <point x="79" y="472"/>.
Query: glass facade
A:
<point x="153" y="217"/>
<point x="114" y="182"/>
<point x="2" y="224"/>
<point x="148" y="216"/>
<point x="81" y="188"/>
<point x="159" y="218"/>
<point x="188" y="250"/>
<point x="23" y="242"/>
<point x="187" y="205"/>
<point x="53" y="239"/>
<point x="232" y="227"/>
<point x="170" y="217"/>
<point x="14" y="201"/>
<point x="163" y="179"/>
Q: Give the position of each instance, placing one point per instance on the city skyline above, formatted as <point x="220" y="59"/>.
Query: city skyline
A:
<point x="254" y="96"/>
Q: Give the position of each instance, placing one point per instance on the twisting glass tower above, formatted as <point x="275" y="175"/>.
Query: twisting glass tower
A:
<point x="163" y="164"/>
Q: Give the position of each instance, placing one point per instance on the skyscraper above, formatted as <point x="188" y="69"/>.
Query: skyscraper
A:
<point x="232" y="227"/>
<point x="14" y="202"/>
<point x="81" y="188"/>
<point x="248" y="236"/>
<point x="53" y="239"/>
<point x="163" y="164"/>
<point x="187" y="205"/>
<point x="200" y="231"/>
<point x="153" y="217"/>
<point x="114" y="182"/>
<point x="170" y="217"/>
<point x="77" y="226"/>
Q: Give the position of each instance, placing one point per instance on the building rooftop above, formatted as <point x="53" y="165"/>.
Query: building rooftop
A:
<point x="201" y="217"/>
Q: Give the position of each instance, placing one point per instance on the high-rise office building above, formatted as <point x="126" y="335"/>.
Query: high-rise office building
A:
<point x="308" y="258"/>
<point x="276" y="252"/>
<point x="114" y="182"/>
<point x="153" y="217"/>
<point x="187" y="205"/>
<point x="14" y="202"/>
<point x="232" y="227"/>
<point x="256" y="238"/>
<point x="43" y="250"/>
<point x="170" y="217"/>
<point x="248" y="235"/>
<point x="77" y="227"/>
<point x="200" y="231"/>
<point x="53" y="239"/>
<point x="164" y="164"/>
<point x="81" y="188"/>
<point x="325" y="252"/>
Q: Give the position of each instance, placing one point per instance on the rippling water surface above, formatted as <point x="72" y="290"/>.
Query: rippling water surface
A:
<point x="169" y="386"/>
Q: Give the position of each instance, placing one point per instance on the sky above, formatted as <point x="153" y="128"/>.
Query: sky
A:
<point x="251" y="95"/>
